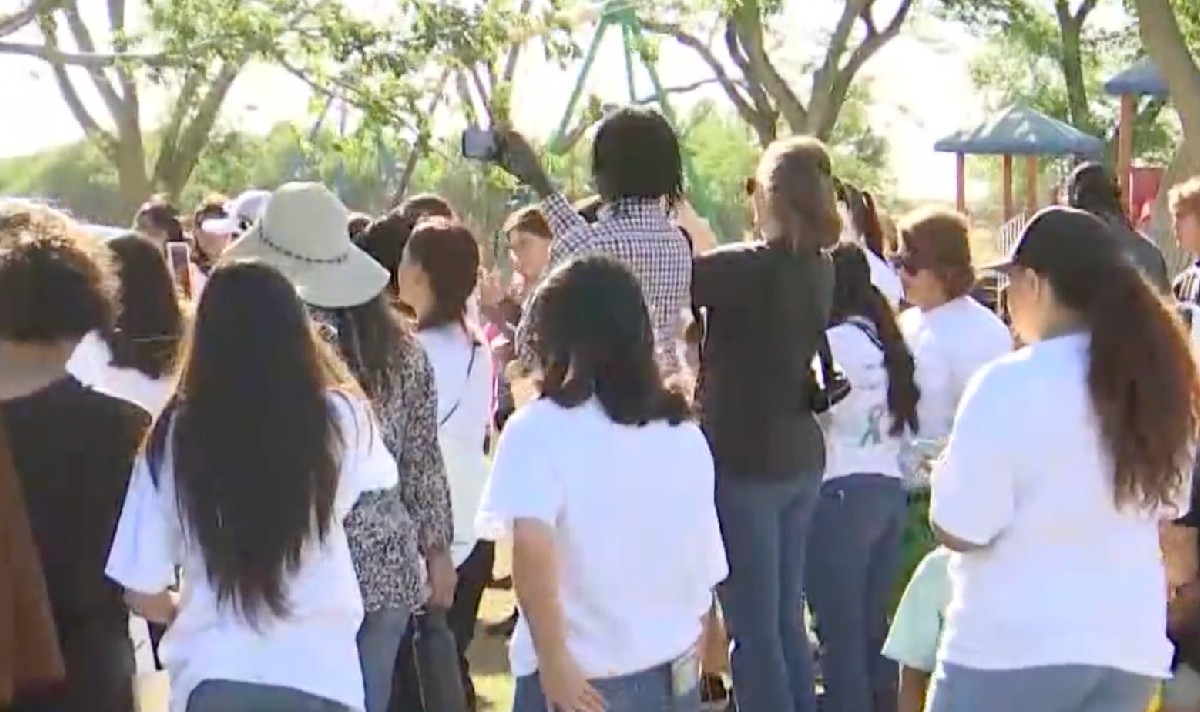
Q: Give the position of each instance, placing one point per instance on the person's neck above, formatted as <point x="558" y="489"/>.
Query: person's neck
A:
<point x="1061" y="324"/>
<point x="28" y="367"/>
<point x="928" y="305"/>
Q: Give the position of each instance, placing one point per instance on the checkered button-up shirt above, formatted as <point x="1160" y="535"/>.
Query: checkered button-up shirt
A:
<point x="638" y="232"/>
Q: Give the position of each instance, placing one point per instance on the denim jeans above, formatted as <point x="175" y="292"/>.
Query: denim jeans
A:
<point x="765" y="526"/>
<point x="646" y="691"/>
<point x="853" y="560"/>
<point x="378" y="644"/>
<point x="231" y="696"/>
<point x="1053" y="688"/>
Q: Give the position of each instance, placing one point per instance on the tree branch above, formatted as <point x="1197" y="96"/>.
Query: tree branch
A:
<point x="1085" y="8"/>
<point x="737" y="92"/>
<point x="747" y="18"/>
<point x="91" y="128"/>
<point x="85" y="60"/>
<point x="25" y="16"/>
<point x="187" y="146"/>
<point x="828" y="100"/>
<point x="83" y="40"/>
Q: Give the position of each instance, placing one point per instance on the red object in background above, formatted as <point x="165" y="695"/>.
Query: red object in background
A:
<point x="1144" y="184"/>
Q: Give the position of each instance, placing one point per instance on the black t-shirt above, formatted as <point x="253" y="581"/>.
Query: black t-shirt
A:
<point x="73" y="449"/>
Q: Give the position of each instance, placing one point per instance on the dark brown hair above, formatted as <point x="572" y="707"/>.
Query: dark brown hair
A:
<point x="593" y="336"/>
<point x="939" y="240"/>
<point x="529" y="219"/>
<point x="254" y="440"/>
<point x="150" y="324"/>
<point x="385" y="238"/>
<point x="854" y="295"/>
<point x="357" y="224"/>
<point x="795" y="176"/>
<point x="56" y="280"/>
<point x="448" y="254"/>
<point x="1141" y="376"/>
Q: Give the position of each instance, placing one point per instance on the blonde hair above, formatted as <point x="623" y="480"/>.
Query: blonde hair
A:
<point x="1184" y="198"/>
<point x="795" y="176"/>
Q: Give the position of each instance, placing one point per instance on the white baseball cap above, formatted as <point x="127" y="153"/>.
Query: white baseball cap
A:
<point x="240" y="213"/>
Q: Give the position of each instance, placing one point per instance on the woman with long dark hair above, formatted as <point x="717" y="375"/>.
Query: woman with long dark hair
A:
<point x="606" y="490"/>
<point x="385" y="238"/>
<point x="1064" y="461"/>
<point x="245" y="483"/>
<point x="135" y="359"/>
<point x="854" y="547"/>
<point x="438" y="276"/>
<point x="861" y="225"/>
<point x="765" y="306"/>
<point x="400" y="538"/>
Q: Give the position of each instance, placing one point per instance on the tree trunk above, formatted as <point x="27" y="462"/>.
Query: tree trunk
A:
<point x="1160" y="33"/>
<point x="1071" y="62"/>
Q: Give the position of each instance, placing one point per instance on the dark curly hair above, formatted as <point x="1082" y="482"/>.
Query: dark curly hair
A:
<point x="56" y="280"/>
<point x="150" y="324"/>
<point x="593" y="336"/>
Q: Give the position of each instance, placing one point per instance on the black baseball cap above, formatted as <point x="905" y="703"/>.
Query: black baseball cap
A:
<point x="1058" y="241"/>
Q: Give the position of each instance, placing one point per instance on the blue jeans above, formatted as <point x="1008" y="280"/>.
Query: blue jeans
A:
<point x="1053" y="688"/>
<point x="378" y="645"/>
<point x="765" y="526"/>
<point x="646" y="691"/>
<point x="230" y="696"/>
<point x="853" y="559"/>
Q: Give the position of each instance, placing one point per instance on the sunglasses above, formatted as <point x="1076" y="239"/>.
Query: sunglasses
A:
<point x="907" y="262"/>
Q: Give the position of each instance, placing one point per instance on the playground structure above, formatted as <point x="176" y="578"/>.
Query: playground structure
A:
<point x="1016" y="131"/>
<point x="1139" y="184"/>
<point x="621" y="15"/>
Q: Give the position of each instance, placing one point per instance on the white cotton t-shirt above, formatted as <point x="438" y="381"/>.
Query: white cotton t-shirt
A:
<point x="857" y="440"/>
<point x="635" y="528"/>
<point x="1064" y="576"/>
<point x="313" y="650"/>
<point x="91" y="365"/>
<point x="462" y="374"/>
<point x="949" y="344"/>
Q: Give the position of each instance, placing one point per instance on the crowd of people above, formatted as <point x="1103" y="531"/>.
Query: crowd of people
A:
<point x="286" y="436"/>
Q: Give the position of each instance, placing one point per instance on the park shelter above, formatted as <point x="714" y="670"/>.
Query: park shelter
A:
<point x="1141" y="79"/>
<point x="1016" y="131"/>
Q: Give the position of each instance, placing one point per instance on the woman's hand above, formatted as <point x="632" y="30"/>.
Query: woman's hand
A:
<point x="491" y="288"/>
<point x="442" y="579"/>
<point x="565" y="687"/>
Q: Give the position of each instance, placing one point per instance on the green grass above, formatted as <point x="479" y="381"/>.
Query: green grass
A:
<point x="489" y="655"/>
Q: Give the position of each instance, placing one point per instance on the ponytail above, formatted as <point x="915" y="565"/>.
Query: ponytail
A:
<point x="1144" y="387"/>
<point x="902" y="393"/>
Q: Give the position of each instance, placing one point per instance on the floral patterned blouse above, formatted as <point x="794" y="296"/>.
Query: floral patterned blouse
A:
<point x="390" y="531"/>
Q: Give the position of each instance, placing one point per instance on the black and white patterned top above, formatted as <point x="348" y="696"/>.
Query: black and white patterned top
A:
<point x="389" y="531"/>
<point x="1187" y="285"/>
<point x="638" y="232"/>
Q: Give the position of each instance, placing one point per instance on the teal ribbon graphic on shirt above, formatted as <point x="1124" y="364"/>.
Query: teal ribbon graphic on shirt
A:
<point x="873" y="435"/>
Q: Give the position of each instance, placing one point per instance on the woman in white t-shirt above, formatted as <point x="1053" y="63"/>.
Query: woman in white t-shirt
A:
<point x="854" y="548"/>
<point x="1064" y="461"/>
<point x="607" y="491"/>
<point x="244" y="483"/>
<point x="951" y="334"/>
<point x="437" y="277"/>
<point x="135" y="361"/>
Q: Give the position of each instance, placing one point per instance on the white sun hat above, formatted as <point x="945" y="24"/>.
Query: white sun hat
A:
<point x="303" y="234"/>
<point x="240" y="213"/>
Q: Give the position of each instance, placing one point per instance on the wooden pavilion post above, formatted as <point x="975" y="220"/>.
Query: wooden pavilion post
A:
<point x="1006" y="166"/>
<point x="960" y="189"/>
<point x="1031" y="185"/>
<point x="1125" y="150"/>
